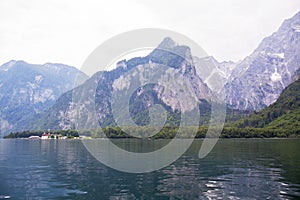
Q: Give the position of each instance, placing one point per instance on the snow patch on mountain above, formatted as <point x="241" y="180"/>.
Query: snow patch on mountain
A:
<point x="276" y="77"/>
<point x="38" y="79"/>
<point x="296" y="28"/>
<point x="276" y="55"/>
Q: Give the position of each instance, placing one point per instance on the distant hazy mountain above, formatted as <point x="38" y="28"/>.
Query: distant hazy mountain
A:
<point x="258" y="80"/>
<point x="28" y="89"/>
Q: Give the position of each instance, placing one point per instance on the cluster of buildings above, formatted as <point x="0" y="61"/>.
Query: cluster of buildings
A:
<point x="46" y="136"/>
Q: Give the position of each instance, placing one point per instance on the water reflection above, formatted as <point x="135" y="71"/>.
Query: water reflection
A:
<point x="235" y="169"/>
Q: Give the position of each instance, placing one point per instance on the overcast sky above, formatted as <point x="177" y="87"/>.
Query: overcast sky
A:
<point x="40" y="31"/>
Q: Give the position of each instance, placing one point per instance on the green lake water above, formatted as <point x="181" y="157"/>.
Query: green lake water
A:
<point x="234" y="169"/>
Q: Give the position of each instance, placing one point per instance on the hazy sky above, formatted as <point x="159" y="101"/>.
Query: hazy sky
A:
<point x="63" y="31"/>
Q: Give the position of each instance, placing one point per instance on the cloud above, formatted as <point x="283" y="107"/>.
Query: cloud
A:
<point x="67" y="31"/>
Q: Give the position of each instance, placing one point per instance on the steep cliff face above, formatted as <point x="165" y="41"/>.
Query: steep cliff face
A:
<point x="258" y="80"/>
<point x="169" y="63"/>
<point x="27" y="89"/>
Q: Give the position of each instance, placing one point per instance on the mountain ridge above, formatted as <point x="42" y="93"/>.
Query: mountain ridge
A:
<point x="28" y="89"/>
<point x="250" y="84"/>
<point x="176" y="58"/>
<point x="258" y="80"/>
<point x="283" y="114"/>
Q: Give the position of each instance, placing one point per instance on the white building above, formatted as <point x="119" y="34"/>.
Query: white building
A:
<point x="46" y="136"/>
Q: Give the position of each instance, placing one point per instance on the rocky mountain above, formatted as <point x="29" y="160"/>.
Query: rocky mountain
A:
<point x="251" y="84"/>
<point x="169" y="63"/>
<point x="258" y="80"/>
<point x="208" y="65"/>
<point x="28" y="89"/>
<point x="282" y="115"/>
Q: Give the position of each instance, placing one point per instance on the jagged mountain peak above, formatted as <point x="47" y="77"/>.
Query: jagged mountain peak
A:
<point x="167" y="43"/>
<point x="280" y="40"/>
<point x="6" y="66"/>
<point x="11" y="62"/>
<point x="167" y="57"/>
<point x="259" y="79"/>
<point x="289" y="23"/>
<point x="171" y="54"/>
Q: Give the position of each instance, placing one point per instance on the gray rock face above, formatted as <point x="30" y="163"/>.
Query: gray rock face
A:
<point x="176" y="65"/>
<point x="258" y="80"/>
<point x="27" y="89"/>
<point x="253" y="83"/>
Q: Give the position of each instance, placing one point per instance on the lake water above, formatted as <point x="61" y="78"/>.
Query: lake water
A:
<point x="235" y="169"/>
